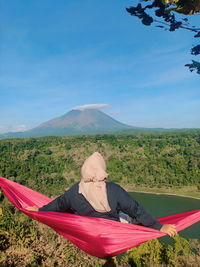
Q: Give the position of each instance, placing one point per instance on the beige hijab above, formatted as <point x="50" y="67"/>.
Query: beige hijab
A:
<point x="92" y="184"/>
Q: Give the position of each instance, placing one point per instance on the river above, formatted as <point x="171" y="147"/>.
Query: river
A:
<point x="164" y="205"/>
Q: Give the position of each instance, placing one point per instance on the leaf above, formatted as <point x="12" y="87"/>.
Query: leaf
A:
<point x="194" y="66"/>
<point x="195" y="50"/>
<point x="197" y="35"/>
<point x="175" y="26"/>
<point x="159" y="26"/>
<point x="147" y="20"/>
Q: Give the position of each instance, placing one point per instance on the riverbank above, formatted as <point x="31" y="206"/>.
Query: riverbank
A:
<point x="186" y="191"/>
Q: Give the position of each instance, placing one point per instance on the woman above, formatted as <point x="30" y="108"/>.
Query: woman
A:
<point x="95" y="197"/>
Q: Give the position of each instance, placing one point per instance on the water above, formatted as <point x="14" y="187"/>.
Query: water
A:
<point x="164" y="205"/>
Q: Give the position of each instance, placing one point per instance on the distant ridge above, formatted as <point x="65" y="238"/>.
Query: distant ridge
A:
<point x="74" y="122"/>
<point x="84" y="122"/>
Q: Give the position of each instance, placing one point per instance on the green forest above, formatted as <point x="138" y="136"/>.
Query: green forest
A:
<point x="51" y="164"/>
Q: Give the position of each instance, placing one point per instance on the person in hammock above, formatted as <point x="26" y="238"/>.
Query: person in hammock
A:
<point x="94" y="196"/>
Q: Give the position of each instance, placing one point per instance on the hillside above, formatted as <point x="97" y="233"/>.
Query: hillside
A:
<point x="74" y="122"/>
<point x="49" y="164"/>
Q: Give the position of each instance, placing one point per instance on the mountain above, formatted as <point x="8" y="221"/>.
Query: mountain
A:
<point x="75" y="122"/>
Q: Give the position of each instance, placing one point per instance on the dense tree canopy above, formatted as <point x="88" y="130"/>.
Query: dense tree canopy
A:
<point x="50" y="164"/>
<point x="165" y="14"/>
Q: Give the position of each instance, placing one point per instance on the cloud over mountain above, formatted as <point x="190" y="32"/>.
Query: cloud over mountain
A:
<point x="83" y="120"/>
<point x="13" y="128"/>
<point x="91" y="106"/>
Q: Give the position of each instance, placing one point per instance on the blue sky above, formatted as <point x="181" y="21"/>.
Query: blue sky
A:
<point x="59" y="54"/>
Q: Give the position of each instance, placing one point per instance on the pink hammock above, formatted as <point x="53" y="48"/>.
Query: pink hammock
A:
<point x="96" y="236"/>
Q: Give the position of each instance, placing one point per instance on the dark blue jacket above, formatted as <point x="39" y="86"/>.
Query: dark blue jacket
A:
<point x="118" y="199"/>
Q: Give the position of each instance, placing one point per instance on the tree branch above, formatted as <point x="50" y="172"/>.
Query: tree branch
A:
<point x="183" y="27"/>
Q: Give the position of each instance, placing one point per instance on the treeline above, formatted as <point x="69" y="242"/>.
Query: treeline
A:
<point x="50" y="164"/>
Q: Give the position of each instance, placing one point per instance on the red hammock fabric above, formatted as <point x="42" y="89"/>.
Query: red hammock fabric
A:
<point x="96" y="236"/>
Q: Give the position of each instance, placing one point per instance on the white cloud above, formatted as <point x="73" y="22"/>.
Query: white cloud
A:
<point x="91" y="106"/>
<point x="19" y="128"/>
<point x="13" y="128"/>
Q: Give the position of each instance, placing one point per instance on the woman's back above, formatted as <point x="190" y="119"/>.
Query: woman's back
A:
<point x="95" y="197"/>
<point x="118" y="199"/>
